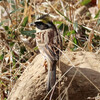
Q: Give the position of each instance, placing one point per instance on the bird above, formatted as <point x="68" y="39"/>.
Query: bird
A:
<point x="49" y="41"/>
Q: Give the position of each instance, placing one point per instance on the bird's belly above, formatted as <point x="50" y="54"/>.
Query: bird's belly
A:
<point x="42" y="50"/>
<point x="43" y="53"/>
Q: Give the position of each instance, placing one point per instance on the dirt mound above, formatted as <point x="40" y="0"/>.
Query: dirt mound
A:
<point x="32" y="84"/>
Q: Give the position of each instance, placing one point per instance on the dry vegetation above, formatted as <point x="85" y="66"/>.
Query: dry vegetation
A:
<point x="78" y="22"/>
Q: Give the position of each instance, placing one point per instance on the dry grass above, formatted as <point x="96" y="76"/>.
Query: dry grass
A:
<point x="16" y="49"/>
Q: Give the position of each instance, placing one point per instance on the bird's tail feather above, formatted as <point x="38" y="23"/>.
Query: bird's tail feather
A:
<point x="51" y="76"/>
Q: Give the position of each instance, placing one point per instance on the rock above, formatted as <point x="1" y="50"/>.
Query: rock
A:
<point x="32" y="83"/>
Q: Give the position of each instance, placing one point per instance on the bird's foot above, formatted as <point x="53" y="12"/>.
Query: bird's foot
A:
<point x="45" y="65"/>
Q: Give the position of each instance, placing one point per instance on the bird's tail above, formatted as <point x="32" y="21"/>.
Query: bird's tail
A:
<point x="51" y="76"/>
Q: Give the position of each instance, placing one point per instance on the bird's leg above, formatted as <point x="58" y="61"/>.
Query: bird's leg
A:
<point x="45" y="65"/>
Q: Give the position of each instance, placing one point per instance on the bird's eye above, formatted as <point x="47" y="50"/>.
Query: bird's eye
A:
<point x="41" y="25"/>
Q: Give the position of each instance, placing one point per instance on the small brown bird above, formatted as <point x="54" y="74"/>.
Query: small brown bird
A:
<point x="47" y="39"/>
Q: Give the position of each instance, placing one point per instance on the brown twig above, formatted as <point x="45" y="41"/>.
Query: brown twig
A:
<point x="5" y="7"/>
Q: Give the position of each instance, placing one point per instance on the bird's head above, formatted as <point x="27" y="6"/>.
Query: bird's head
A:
<point x="43" y="23"/>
